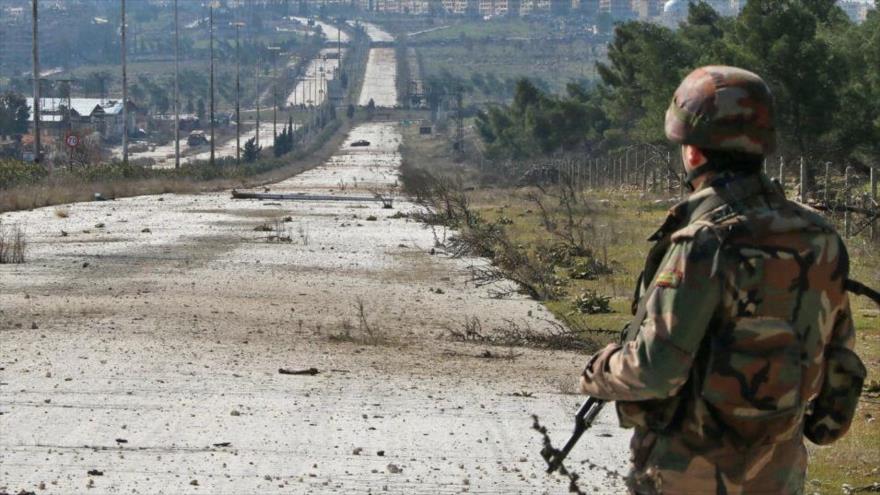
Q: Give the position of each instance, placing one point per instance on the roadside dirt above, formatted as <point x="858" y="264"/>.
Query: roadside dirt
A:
<point x="144" y="337"/>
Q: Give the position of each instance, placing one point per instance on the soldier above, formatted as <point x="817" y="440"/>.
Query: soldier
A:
<point x="742" y="339"/>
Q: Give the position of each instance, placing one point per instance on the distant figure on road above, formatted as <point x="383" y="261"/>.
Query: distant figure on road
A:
<point x="742" y="339"/>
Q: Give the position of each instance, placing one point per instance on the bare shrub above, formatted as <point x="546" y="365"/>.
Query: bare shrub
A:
<point x="279" y="231"/>
<point x="366" y="334"/>
<point x="512" y="333"/>
<point x="62" y="212"/>
<point x="569" y="219"/>
<point x="303" y="232"/>
<point x="13" y="244"/>
<point x="471" y="331"/>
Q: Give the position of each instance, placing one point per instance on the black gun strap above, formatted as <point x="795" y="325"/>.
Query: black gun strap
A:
<point x="861" y="289"/>
<point x="631" y="330"/>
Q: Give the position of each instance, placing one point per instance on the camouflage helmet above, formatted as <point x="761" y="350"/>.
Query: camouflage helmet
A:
<point x="723" y="108"/>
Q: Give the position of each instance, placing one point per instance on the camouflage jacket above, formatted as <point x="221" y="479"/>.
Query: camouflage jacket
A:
<point x="744" y="345"/>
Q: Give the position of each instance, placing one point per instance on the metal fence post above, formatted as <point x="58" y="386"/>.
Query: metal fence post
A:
<point x="873" y="205"/>
<point x="846" y="226"/>
<point x="802" y="188"/>
<point x="781" y="177"/>
<point x="827" y="181"/>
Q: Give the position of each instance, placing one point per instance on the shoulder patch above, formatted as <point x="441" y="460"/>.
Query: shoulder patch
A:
<point x="669" y="278"/>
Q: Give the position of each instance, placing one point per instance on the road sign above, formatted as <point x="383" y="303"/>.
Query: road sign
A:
<point x="72" y="140"/>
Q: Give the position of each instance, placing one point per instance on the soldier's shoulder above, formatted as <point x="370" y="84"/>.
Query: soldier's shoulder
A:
<point x="755" y="221"/>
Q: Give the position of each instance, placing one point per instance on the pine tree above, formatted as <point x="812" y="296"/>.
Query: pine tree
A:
<point x="251" y="150"/>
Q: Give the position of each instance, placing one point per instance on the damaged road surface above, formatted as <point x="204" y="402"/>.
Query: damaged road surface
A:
<point x="146" y="344"/>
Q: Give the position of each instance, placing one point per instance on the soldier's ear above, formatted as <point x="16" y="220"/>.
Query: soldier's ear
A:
<point x="693" y="157"/>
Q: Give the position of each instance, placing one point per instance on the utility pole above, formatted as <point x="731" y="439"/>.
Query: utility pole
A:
<point x="238" y="26"/>
<point x="124" y="93"/>
<point x="459" y="122"/>
<point x="259" y="67"/>
<point x="36" y="67"/>
<point x="176" y="89"/>
<point x="211" y="36"/>
<point x="275" y="50"/>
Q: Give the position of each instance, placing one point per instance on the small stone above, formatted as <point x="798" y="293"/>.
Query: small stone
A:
<point x="394" y="469"/>
<point x="234" y="413"/>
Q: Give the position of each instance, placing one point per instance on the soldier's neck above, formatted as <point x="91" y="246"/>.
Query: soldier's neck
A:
<point x="703" y="181"/>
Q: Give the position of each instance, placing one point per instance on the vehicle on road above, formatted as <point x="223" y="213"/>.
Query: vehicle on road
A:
<point x="196" y="138"/>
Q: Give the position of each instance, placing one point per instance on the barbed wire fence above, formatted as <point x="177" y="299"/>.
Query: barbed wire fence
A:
<point x="847" y="196"/>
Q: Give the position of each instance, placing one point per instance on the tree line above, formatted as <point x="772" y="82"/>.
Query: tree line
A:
<point x="823" y="69"/>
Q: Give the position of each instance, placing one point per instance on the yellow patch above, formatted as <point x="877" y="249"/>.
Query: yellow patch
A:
<point x="669" y="278"/>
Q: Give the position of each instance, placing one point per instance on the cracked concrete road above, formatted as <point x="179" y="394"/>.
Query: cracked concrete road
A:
<point x="143" y="339"/>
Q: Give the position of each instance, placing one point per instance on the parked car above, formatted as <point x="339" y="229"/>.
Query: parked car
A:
<point x="197" y="138"/>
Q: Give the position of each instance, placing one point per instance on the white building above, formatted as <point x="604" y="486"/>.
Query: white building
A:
<point x="102" y="115"/>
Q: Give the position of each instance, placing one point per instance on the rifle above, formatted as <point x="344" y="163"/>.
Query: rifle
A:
<point x="861" y="289"/>
<point x="583" y="420"/>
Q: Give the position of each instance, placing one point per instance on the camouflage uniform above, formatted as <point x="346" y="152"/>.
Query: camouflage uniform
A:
<point x="741" y="345"/>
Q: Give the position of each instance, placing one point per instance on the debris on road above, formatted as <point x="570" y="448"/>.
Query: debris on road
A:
<point x="308" y="371"/>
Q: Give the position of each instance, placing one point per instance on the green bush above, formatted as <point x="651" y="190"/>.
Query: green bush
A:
<point x="592" y="303"/>
<point x="17" y="172"/>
